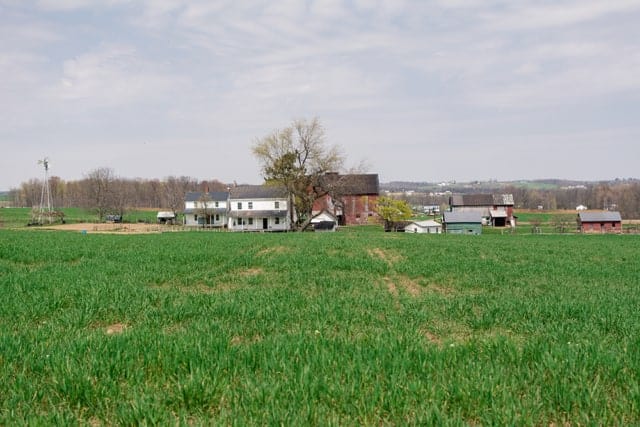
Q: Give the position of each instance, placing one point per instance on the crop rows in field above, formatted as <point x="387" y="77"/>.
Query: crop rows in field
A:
<point x="344" y="328"/>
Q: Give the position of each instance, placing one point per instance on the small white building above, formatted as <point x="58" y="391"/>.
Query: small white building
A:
<point x="427" y="227"/>
<point x="324" y="221"/>
<point x="166" y="217"/>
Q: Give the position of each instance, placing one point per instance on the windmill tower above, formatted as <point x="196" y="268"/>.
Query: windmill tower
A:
<point x="45" y="210"/>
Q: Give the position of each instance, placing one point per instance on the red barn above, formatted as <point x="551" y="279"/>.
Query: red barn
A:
<point x="352" y="198"/>
<point x="600" y="222"/>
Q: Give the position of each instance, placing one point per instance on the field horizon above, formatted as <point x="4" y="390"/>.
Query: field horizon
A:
<point x="359" y="327"/>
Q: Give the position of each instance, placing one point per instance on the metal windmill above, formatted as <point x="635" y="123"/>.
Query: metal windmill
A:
<point x="45" y="209"/>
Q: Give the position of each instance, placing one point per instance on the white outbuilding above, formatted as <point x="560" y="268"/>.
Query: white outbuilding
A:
<point x="428" y="227"/>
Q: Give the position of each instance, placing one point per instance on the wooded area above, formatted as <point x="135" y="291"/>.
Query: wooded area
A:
<point x="104" y="192"/>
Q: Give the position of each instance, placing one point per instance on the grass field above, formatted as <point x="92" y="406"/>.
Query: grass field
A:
<point x="20" y="217"/>
<point x="347" y="328"/>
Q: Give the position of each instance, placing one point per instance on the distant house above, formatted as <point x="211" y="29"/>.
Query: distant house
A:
<point x="495" y="209"/>
<point x="600" y="222"/>
<point x="206" y="209"/>
<point x="258" y="208"/>
<point x="462" y="223"/>
<point x="429" y="227"/>
<point x="354" y="199"/>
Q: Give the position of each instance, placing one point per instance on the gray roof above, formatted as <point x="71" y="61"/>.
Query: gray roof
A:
<point x="600" y="216"/>
<point x="481" y="200"/>
<point x="215" y="196"/>
<point x="257" y="192"/>
<point x="462" y="217"/>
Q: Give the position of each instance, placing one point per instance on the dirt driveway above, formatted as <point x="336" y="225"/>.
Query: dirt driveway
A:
<point x="113" y="228"/>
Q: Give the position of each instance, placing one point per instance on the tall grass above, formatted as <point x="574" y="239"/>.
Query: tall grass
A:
<point x="342" y="328"/>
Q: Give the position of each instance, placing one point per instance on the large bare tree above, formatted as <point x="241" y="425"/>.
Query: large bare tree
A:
<point x="100" y="191"/>
<point x="297" y="158"/>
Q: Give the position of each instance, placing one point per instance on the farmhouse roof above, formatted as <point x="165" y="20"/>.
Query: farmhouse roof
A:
<point x="462" y="217"/>
<point x="215" y="196"/>
<point x="257" y="192"/>
<point x="600" y="216"/>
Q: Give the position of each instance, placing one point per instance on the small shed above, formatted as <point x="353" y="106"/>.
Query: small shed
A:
<point x="324" y="221"/>
<point x="427" y="227"/>
<point x="600" y="222"/>
<point x="165" y="217"/>
<point x="462" y="222"/>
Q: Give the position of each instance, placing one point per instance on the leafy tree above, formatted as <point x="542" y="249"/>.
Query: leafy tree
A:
<point x="392" y="211"/>
<point x="297" y="158"/>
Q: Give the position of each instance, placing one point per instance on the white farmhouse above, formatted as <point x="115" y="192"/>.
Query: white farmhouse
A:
<point x="258" y="208"/>
<point x="207" y="209"/>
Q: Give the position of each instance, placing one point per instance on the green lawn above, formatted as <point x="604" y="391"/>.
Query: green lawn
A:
<point x="20" y="217"/>
<point x="348" y="328"/>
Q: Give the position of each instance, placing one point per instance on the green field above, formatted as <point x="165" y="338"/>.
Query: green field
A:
<point x="347" y="328"/>
<point x="20" y="217"/>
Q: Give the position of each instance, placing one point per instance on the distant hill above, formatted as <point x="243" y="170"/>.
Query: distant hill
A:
<point x="489" y="186"/>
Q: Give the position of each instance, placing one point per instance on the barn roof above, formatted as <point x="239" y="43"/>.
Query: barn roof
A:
<point x="600" y="216"/>
<point x="462" y="217"/>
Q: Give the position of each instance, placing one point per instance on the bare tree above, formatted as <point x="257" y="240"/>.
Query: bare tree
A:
<point x="99" y="187"/>
<point x="297" y="158"/>
<point x="175" y="190"/>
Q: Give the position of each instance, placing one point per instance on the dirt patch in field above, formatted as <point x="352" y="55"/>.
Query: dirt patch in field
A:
<point x="404" y="283"/>
<point x="109" y="228"/>
<point x="115" y="329"/>
<point x="250" y="272"/>
<point x="385" y="255"/>
<point x="239" y="340"/>
<point x="273" y="250"/>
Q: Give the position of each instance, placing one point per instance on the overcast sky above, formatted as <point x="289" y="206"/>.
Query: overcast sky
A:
<point x="417" y="90"/>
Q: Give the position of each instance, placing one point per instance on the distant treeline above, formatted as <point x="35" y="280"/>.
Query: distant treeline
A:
<point x="103" y="192"/>
<point x="620" y="195"/>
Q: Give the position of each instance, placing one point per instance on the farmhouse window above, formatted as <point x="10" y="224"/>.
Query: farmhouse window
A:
<point x="277" y="219"/>
<point x="250" y="220"/>
<point x="217" y="217"/>
<point x="217" y="204"/>
<point x="276" y="205"/>
<point x="239" y="205"/>
<point x="250" y="205"/>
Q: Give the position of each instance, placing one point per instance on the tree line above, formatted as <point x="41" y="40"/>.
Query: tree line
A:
<point x="618" y="195"/>
<point x="103" y="192"/>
